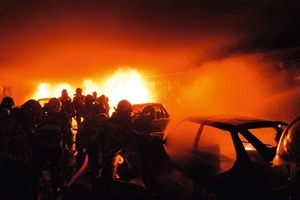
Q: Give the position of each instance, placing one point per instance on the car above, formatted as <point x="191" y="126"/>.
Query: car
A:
<point x="43" y="101"/>
<point x="161" y="117"/>
<point x="227" y="156"/>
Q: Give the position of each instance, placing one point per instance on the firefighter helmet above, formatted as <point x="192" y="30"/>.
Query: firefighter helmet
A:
<point x="8" y="102"/>
<point x="54" y="105"/>
<point x="124" y="106"/>
<point x="289" y="149"/>
<point x="32" y="106"/>
<point x="148" y="111"/>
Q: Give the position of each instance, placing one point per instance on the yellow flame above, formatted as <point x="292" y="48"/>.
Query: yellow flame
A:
<point x="124" y="84"/>
<point x="43" y="90"/>
<point x="249" y="147"/>
<point x="90" y="86"/>
<point x="127" y="84"/>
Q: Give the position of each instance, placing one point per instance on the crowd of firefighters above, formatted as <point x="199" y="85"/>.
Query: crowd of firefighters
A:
<point x="36" y="139"/>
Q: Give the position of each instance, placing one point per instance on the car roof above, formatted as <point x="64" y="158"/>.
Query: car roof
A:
<point x="141" y="105"/>
<point x="229" y="122"/>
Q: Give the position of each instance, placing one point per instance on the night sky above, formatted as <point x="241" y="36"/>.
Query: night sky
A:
<point x="68" y="41"/>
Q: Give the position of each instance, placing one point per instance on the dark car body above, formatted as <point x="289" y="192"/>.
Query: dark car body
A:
<point x="161" y="120"/>
<point x="229" y="156"/>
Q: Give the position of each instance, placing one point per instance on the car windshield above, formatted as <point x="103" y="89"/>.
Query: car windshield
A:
<point x="214" y="145"/>
<point x="160" y="111"/>
<point x="265" y="134"/>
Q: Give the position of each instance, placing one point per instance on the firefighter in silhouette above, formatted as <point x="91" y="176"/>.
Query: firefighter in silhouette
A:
<point x="147" y="148"/>
<point x="87" y="126"/>
<point x="78" y="104"/>
<point x="18" y="144"/>
<point x="67" y="103"/>
<point x="32" y="112"/>
<point x="7" y="124"/>
<point x="87" y="137"/>
<point x="118" y="136"/>
<point x="12" y="159"/>
<point x="55" y="138"/>
<point x="104" y="101"/>
<point x="143" y="123"/>
<point x="8" y="103"/>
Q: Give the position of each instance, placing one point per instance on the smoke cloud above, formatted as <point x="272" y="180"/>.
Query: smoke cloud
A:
<point x="243" y="85"/>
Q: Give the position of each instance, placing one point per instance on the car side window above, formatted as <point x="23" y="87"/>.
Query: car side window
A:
<point x="255" y="157"/>
<point x="219" y="145"/>
<point x="266" y="135"/>
<point x="180" y="140"/>
<point x="160" y="112"/>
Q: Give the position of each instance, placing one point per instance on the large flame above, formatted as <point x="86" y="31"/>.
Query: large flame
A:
<point x="124" y="84"/>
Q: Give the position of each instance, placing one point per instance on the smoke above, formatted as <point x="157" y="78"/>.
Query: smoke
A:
<point x="5" y="90"/>
<point x="241" y="85"/>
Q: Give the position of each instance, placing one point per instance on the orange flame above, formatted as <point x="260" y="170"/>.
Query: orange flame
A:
<point x="124" y="84"/>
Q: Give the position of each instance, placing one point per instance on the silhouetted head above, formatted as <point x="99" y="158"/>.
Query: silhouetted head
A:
<point x="148" y="111"/>
<point x="89" y="99"/>
<point x="7" y="102"/>
<point x="54" y="105"/>
<point x="78" y="91"/>
<point x="102" y="98"/>
<point x="64" y="92"/>
<point x="95" y="94"/>
<point x="124" y="106"/>
<point x="32" y="107"/>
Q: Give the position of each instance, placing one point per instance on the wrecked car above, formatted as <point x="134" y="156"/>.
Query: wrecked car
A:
<point x="228" y="157"/>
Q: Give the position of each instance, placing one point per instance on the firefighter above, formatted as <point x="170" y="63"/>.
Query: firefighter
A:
<point x="87" y="137"/>
<point x="32" y="111"/>
<point x="150" y="158"/>
<point x="67" y="103"/>
<point x="55" y="139"/>
<point x="17" y="142"/>
<point x="117" y="133"/>
<point x="78" y="104"/>
<point x="6" y="132"/>
<point x="7" y="102"/>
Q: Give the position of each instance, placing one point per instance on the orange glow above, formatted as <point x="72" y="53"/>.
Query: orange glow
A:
<point x="124" y="84"/>
<point x="46" y="90"/>
<point x="119" y="159"/>
<point x="249" y="147"/>
<point x="127" y="84"/>
<point x="43" y="90"/>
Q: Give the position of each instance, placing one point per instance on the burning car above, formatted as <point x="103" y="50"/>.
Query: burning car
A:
<point x="228" y="157"/>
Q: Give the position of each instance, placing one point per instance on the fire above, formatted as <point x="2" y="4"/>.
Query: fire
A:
<point x="46" y="90"/>
<point x="43" y="90"/>
<point x="127" y="85"/>
<point x="123" y="84"/>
